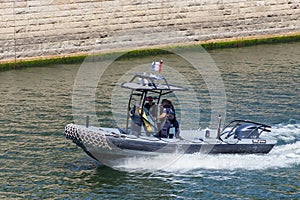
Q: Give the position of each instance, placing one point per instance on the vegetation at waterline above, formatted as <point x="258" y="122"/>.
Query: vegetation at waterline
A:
<point x="251" y="42"/>
<point x="42" y="62"/>
<point x="151" y="51"/>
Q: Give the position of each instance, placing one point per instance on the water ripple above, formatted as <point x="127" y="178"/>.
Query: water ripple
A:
<point x="262" y="84"/>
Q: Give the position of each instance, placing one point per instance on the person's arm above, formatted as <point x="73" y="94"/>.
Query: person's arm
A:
<point x="163" y="115"/>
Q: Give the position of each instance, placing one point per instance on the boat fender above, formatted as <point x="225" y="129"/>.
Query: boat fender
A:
<point x="207" y="133"/>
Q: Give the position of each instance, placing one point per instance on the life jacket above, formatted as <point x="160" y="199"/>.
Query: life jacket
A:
<point x="170" y="113"/>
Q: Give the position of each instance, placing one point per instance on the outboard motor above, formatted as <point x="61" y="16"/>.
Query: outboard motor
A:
<point x="247" y="130"/>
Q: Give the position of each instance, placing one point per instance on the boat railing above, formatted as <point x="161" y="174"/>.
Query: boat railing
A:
<point x="256" y="130"/>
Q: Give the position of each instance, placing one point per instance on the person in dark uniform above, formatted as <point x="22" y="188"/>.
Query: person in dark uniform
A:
<point x="168" y="119"/>
<point x="150" y="103"/>
<point x="151" y="107"/>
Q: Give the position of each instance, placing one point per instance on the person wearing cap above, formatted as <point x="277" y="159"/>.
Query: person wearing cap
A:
<point x="151" y="107"/>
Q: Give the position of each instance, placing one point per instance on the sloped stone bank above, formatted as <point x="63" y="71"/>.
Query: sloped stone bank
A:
<point x="43" y="28"/>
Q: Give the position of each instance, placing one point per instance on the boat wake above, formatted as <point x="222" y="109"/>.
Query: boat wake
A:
<point x="284" y="155"/>
<point x="285" y="133"/>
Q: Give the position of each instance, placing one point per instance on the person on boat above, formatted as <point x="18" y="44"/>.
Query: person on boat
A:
<point x="136" y="123"/>
<point x="150" y="103"/>
<point x="141" y="118"/>
<point x="168" y="119"/>
<point x="151" y="107"/>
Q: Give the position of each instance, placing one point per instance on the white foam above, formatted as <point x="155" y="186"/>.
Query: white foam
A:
<point x="281" y="156"/>
<point x="287" y="133"/>
<point x="216" y="162"/>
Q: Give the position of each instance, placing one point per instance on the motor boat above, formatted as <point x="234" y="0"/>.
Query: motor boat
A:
<point x="140" y="136"/>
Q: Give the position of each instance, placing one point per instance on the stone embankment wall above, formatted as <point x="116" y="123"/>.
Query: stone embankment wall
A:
<point x="37" y="28"/>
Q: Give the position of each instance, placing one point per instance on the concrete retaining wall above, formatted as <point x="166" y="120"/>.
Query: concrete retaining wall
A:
<point x="34" y="28"/>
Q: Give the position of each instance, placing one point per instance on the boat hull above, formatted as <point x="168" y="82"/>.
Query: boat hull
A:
<point x="108" y="145"/>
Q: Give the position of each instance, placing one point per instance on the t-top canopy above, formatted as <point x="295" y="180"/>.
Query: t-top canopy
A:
<point x="150" y="82"/>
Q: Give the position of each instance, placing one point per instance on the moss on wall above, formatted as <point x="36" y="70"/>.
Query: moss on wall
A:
<point x="151" y="51"/>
